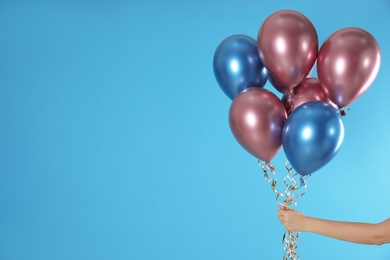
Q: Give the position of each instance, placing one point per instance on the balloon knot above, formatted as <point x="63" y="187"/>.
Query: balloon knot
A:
<point x="302" y="181"/>
<point x="271" y="168"/>
<point x="344" y="112"/>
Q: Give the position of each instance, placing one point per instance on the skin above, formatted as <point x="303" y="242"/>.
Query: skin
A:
<point x="355" y="232"/>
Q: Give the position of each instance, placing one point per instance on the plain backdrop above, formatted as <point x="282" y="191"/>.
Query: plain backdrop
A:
<point x="115" y="143"/>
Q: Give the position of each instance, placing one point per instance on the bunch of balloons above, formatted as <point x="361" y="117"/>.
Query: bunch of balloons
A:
<point x="307" y="120"/>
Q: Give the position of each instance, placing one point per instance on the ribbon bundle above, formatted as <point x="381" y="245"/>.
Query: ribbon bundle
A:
<point x="288" y="201"/>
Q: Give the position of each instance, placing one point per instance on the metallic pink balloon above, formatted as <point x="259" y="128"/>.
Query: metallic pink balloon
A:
<point x="309" y="90"/>
<point x="277" y="85"/>
<point x="288" y="46"/>
<point x="347" y="64"/>
<point x="256" y="119"/>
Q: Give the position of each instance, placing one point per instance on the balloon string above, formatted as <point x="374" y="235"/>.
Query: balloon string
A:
<point x="289" y="196"/>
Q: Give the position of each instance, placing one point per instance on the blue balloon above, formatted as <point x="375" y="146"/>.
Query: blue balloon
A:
<point x="312" y="136"/>
<point x="237" y="65"/>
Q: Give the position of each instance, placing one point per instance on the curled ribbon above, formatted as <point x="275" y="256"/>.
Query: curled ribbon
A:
<point x="289" y="197"/>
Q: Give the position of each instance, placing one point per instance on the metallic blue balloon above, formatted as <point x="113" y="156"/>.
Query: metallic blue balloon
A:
<point x="312" y="136"/>
<point x="237" y="65"/>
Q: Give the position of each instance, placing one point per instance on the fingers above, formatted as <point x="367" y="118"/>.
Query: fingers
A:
<point x="283" y="211"/>
<point x="284" y="207"/>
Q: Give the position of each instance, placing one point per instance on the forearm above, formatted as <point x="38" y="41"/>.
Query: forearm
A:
<point x="362" y="233"/>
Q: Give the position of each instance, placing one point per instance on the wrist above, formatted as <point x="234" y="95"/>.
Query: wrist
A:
<point x="307" y="224"/>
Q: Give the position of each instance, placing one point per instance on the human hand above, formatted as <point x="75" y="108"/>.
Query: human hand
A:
<point x="293" y="220"/>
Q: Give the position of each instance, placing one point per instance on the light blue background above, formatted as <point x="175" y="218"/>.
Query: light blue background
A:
<point x="115" y="143"/>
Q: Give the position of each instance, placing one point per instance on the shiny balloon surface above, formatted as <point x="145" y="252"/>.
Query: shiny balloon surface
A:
<point x="288" y="46"/>
<point x="256" y="119"/>
<point x="312" y="136"/>
<point x="347" y="64"/>
<point x="237" y="65"/>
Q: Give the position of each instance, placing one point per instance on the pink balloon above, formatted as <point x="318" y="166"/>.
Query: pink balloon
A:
<point x="347" y="64"/>
<point x="277" y="85"/>
<point x="288" y="46"/>
<point x="309" y="90"/>
<point x="256" y="119"/>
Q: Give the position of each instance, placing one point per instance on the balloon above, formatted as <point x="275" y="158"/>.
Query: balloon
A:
<point x="237" y="65"/>
<point x="312" y="136"/>
<point x="347" y="64"/>
<point x="288" y="45"/>
<point x="277" y="85"/>
<point x="309" y="90"/>
<point x="256" y="119"/>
